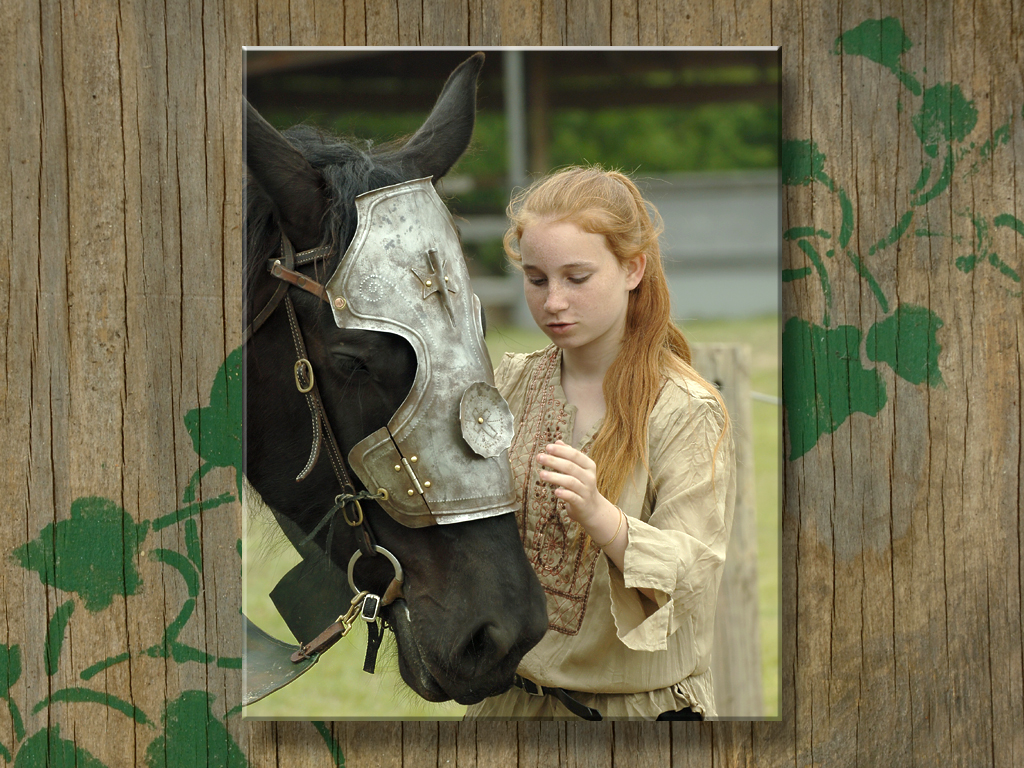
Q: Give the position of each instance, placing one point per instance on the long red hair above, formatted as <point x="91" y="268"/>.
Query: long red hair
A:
<point x="608" y="203"/>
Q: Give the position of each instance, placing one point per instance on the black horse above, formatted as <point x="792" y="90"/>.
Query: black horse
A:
<point x="472" y="605"/>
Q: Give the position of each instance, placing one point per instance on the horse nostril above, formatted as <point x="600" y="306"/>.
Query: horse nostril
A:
<point x="488" y="643"/>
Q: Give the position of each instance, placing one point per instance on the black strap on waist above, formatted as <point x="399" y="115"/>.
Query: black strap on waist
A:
<point x="577" y="708"/>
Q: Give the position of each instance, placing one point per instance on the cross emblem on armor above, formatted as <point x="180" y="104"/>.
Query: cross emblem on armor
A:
<point x="436" y="281"/>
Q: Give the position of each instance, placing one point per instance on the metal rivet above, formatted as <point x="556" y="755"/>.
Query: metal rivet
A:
<point x="398" y="467"/>
<point x="339" y="303"/>
<point x="429" y="283"/>
<point x="412" y="492"/>
<point x="480" y="420"/>
<point x="426" y="484"/>
<point x="414" y="459"/>
<point x="446" y="278"/>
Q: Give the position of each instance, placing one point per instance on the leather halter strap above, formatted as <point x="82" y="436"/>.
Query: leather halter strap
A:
<point x="284" y="269"/>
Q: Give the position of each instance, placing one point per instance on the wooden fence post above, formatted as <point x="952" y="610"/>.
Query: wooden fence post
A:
<point x="736" y="659"/>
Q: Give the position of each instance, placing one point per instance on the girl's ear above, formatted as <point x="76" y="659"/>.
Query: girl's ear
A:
<point x="635" y="270"/>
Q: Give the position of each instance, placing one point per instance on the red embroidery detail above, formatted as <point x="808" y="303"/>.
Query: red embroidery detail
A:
<point x="554" y="543"/>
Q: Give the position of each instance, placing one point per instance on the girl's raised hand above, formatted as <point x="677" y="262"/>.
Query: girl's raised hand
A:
<point x="575" y="474"/>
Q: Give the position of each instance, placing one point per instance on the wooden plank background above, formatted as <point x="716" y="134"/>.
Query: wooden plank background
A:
<point x="120" y="213"/>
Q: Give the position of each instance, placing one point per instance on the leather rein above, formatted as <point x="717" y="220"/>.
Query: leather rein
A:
<point x="364" y="604"/>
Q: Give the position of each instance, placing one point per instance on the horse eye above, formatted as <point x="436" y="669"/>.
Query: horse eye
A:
<point x="348" y="359"/>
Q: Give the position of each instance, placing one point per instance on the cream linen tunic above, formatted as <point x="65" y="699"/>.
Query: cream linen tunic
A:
<point x="623" y="654"/>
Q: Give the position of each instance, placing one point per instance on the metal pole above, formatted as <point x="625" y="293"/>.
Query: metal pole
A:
<point x="515" y="117"/>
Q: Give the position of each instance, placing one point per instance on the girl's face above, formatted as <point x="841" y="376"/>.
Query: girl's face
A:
<point x="576" y="290"/>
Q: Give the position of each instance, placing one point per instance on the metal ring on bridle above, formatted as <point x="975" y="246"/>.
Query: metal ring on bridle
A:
<point x="299" y="364"/>
<point x="352" y="564"/>
<point x="353" y="522"/>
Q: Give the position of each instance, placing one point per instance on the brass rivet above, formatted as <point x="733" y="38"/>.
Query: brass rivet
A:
<point x="429" y="283"/>
<point x="480" y="420"/>
<point x="426" y="484"/>
<point x="413" y="459"/>
<point x="398" y="467"/>
<point x="446" y="278"/>
<point x="339" y="303"/>
<point x="412" y="492"/>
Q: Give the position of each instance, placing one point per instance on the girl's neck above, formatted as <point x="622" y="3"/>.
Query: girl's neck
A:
<point x="586" y="366"/>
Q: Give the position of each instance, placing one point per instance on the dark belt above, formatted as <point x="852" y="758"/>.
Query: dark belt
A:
<point x="574" y="706"/>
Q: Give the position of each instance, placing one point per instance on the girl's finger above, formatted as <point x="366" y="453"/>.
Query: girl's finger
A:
<point x="566" y="466"/>
<point x="558" y="448"/>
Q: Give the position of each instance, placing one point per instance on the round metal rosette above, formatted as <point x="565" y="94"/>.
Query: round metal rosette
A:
<point x="486" y="419"/>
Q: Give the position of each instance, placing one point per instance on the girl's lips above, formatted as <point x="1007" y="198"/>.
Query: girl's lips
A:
<point x="560" y="327"/>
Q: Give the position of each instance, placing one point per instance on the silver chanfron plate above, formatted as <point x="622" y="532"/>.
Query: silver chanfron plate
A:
<point x="486" y="419"/>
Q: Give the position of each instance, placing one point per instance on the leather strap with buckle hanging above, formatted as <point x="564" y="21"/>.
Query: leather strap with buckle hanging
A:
<point x="577" y="708"/>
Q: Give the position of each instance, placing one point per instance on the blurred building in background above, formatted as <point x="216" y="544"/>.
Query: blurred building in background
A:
<point x="698" y="129"/>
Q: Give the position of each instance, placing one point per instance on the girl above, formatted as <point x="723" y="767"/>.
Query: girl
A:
<point x="623" y="461"/>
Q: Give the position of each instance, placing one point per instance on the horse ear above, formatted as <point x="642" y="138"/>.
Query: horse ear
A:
<point x="294" y="186"/>
<point x="445" y="135"/>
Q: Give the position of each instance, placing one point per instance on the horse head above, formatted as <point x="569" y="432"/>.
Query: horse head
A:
<point x="471" y="606"/>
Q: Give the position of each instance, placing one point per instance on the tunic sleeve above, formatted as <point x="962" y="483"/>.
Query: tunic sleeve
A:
<point x="679" y="551"/>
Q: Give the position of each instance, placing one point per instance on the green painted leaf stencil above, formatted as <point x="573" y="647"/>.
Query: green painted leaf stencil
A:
<point x="92" y="554"/>
<point x="823" y="382"/>
<point x="193" y="737"/>
<point x="216" y="429"/>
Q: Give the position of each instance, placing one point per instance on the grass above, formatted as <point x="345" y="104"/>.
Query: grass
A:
<point x="337" y="687"/>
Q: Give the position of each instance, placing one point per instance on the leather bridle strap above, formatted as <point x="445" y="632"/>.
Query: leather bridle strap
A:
<point x="306" y="383"/>
<point x="285" y="272"/>
<point x="283" y="269"/>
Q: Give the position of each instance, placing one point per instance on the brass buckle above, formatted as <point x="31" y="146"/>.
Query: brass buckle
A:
<point x="344" y="511"/>
<point x="299" y="365"/>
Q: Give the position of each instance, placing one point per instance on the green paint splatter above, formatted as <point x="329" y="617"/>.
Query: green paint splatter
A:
<point x="907" y="342"/>
<point x="89" y="696"/>
<point x="216" y="429"/>
<point x="95" y="669"/>
<point x="92" y="554"/>
<point x="191" y="510"/>
<point x="966" y="264"/>
<point x="863" y="271"/>
<point x="1006" y="220"/>
<point x="882" y="41"/>
<point x="802" y="164"/>
<point x="819" y="266"/>
<point x="46" y="749"/>
<point x="791" y="275"/>
<point x="1003" y="267"/>
<point x="847" y="226"/>
<point x="193" y="547"/>
<point x="983" y="242"/>
<point x="946" y="116"/>
<point x="894" y="234"/>
<point x="823" y="382"/>
<point x="941" y="183"/>
<point x="332" y="743"/>
<point x="55" y="635"/>
<point x="171" y="648"/>
<point x="10" y="673"/>
<point x="1000" y="136"/>
<point x="795" y="233"/>
<point x="193" y="737"/>
<point x="922" y="179"/>
<point x="10" y="668"/>
<point x="182" y="565"/>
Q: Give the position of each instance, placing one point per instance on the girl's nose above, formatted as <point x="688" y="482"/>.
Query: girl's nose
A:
<point x="555" y="299"/>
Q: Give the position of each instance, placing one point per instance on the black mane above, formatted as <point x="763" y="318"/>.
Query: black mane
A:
<point x="348" y="172"/>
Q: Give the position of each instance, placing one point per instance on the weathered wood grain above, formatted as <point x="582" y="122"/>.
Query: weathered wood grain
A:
<point x="736" y="662"/>
<point x="120" y="240"/>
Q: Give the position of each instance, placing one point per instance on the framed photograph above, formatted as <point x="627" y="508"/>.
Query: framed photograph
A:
<point x="385" y="519"/>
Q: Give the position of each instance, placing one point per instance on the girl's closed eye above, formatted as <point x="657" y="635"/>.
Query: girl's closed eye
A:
<point x="578" y="279"/>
